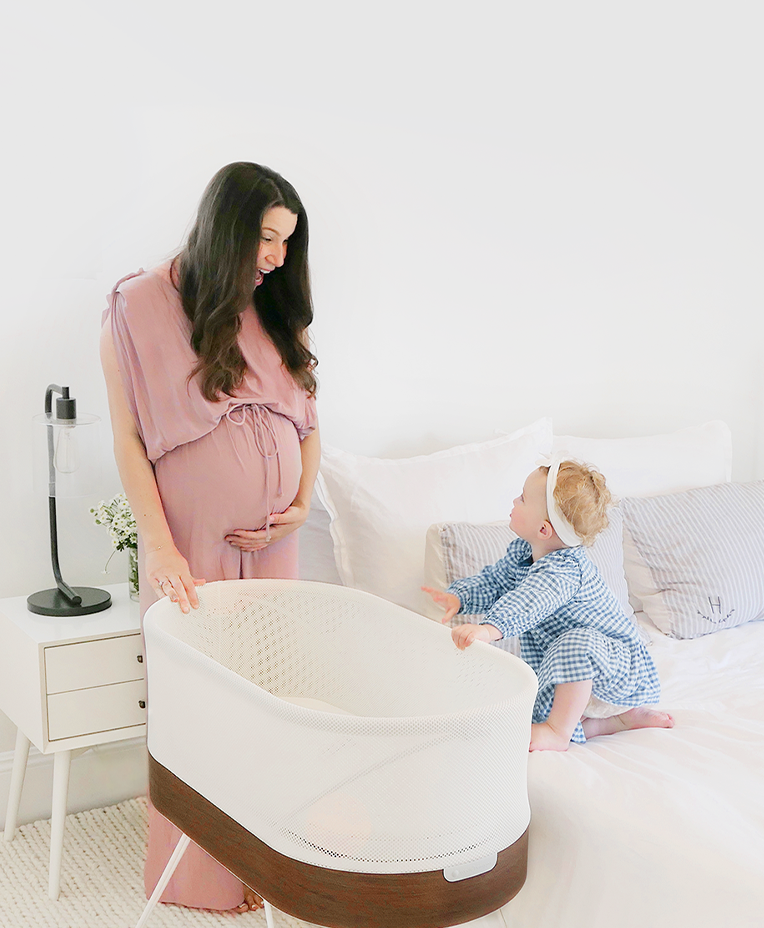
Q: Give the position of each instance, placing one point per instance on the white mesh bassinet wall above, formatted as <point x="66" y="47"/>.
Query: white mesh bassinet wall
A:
<point x="318" y="741"/>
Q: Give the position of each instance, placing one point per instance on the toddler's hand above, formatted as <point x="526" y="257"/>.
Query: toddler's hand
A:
<point x="464" y="635"/>
<point x="451" y="603"/>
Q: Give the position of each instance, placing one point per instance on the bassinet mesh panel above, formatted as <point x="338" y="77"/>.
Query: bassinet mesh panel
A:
<point x="371" y="791"/>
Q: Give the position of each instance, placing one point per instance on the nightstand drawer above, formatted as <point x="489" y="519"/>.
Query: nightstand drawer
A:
<point x="93" y="663"/>
<point x="99" y="709"/>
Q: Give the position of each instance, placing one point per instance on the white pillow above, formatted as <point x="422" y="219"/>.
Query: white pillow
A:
<point x="697" y="456"/>
<point x="316" y="546"/>
<point x="455" y="550"/>
<point x="695" y="560"/>
<point x="381" y="508"/>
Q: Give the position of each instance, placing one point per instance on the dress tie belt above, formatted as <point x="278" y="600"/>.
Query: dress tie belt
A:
<point x="266" y="443"/>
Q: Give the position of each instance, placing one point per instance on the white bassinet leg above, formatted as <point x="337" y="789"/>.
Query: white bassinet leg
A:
<point x="164" y="879"/>
<point x="269" y="914"/>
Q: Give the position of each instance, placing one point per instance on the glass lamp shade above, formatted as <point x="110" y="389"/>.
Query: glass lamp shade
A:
<point x="76" y="455"/>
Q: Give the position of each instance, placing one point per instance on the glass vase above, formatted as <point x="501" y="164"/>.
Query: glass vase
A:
<point x="132" y="573"/>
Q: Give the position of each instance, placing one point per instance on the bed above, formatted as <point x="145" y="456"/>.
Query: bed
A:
<point x="651" y="827"/>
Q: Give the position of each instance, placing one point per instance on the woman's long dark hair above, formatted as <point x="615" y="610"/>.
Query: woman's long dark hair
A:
<point x="215" y="270"/>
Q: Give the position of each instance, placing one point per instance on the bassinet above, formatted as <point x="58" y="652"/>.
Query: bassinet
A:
<point x="383" y="779"/>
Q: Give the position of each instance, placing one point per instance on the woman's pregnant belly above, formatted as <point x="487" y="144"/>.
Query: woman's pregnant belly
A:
<point x="224" y="481"/>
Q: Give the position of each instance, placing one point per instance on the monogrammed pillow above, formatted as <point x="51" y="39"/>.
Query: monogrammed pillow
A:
<point x="695" y="560"/>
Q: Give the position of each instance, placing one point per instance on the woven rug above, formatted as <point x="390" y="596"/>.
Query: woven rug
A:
<point x="101" y="878"/>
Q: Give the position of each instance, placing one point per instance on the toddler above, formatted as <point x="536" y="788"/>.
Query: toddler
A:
<point x="594" y="673"/>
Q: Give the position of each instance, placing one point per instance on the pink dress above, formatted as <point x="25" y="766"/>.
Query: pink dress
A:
<point x="219" y="466"/>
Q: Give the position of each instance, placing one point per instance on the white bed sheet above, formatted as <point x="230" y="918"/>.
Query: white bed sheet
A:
<point x="658" y="828"/>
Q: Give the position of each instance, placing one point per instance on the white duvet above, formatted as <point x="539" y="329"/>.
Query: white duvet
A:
<point x="658" y="828"/>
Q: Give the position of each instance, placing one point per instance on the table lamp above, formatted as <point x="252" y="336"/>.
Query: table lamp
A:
<point x="73" y="459"/>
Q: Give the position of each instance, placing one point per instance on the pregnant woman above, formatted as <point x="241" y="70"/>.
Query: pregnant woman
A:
<point x="211" y="389"/>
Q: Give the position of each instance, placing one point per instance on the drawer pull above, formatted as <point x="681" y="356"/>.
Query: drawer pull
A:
<point x="142" y="703"/>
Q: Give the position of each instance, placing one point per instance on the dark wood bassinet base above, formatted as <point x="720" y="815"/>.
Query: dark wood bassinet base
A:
<point x="335" y="898"/>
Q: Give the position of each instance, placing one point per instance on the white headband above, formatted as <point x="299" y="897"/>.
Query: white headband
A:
<point x="565" y="531"/>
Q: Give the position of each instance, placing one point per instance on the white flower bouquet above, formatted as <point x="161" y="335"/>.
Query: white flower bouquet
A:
<point x="117" y="516"/>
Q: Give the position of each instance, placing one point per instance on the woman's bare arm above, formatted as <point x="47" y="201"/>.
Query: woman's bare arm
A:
<point x="310" y="450"/>
<point x="163" y="560"/>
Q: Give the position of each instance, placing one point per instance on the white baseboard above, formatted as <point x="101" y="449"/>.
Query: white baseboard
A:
<point x="101" y="776"/>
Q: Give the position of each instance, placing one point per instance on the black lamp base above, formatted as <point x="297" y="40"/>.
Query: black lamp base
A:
<point x="53" y="602"/>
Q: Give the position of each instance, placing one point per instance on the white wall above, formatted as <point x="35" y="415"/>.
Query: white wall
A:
<point x="516" y="210"/>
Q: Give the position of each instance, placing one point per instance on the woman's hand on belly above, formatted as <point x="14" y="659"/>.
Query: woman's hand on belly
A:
<point x="282" y="524"/>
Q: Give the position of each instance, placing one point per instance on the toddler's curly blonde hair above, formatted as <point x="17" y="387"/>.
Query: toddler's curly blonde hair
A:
<point x="583" y="496"/>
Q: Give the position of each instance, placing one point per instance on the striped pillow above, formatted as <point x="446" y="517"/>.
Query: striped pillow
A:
<point x="455" y="550"/>
<point x="695" y="560"/>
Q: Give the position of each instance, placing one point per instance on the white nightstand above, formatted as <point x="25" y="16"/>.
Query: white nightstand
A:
<point x="69" y="683"/>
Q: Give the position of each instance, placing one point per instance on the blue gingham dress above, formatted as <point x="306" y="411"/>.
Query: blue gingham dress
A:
<point x="569" y="624"/>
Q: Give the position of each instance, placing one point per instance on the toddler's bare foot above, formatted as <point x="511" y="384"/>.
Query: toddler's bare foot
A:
<point x="640" y="717"/>
<point x="251" y="900"/>
<point x="545" y="738"/>
<point x="644" y="717"/>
